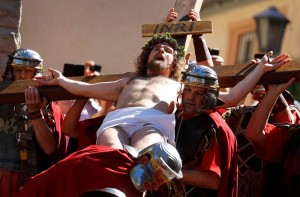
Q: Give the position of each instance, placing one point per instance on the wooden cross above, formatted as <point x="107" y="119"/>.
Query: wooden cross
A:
<point x="182" y="27"/>
<point x="13" y="92"/>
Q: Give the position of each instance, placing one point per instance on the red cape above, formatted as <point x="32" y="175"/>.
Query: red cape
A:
<point x="87" y="131"/>
<point x="94" y="167"/>
<point x="229" y="158"/>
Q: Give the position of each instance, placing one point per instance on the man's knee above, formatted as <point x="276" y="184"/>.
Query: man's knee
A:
<point x="114" y="137"/>
<point x="148" y="131"/>
<point x="145" y="137"/>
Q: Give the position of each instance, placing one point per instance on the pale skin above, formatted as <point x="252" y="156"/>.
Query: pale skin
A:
<point x="65" y="105"/>
<point x="192" y="100"/>
<point x="43" y="133"/>
<point x="194" y="16"/>
<point x="240" y="90"/>
<point x="285" y="115"/>
<point x="255" y="128"/>
<point x="158" y="92"/>
<point x="73" y="109"/>
<point x="217" y="60"/>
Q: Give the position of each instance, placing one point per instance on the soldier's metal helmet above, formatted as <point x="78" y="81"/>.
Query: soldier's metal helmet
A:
<point x="26" y="58"/>
<point x="105" y="192"/>
<point x="204" y="77"/>
<point x="163" y="158"/>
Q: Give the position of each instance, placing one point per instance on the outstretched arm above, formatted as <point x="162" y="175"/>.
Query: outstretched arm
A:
<point x="240" y="90"/>
<point x="255" y="128"/>
<point x="108" y="91"/>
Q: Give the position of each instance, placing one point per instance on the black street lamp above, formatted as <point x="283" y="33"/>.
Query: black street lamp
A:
<point x="270" y="27"/>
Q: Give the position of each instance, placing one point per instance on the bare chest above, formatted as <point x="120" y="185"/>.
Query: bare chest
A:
<point x="150" y="91"/>
<point x="155" y="86"/>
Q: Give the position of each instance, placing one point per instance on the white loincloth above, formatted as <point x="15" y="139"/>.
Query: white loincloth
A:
<point x="132" y="119"/>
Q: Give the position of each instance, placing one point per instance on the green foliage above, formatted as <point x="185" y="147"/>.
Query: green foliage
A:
<point x="167" y="38"/>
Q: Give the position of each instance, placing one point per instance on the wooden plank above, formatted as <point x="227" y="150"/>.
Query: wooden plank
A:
<point x="13" y="92"/>
<point x="177" y="28"/>
<point x="182" y="7"/>
<point x="232" y="74"/>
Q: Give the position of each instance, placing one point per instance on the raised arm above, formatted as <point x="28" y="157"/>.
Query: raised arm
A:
<point x="240" y="90"/>
<point x="203" y="179"/>
<point x="43" y="133"/>
<point x="70" y="123"/>
<point x="108" y="91"/>
<point x="283" y="113"/>
<point x="202" y="53"/>
<point x="255" y="128"/>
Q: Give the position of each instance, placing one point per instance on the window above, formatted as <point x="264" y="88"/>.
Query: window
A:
<point x="245" y="47"/>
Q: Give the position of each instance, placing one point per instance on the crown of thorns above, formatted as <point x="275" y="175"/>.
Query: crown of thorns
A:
<point x="167" y="38"/>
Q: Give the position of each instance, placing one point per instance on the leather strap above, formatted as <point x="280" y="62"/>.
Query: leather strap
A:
<point x="201" y="50"/>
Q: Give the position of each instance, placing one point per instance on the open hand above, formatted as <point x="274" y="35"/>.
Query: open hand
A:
<point x="270" y="64"/>
<point x="51" y="79"/>
<point x="32" y="99"/>
<point x="171" y="16"/>
<point x="194" y="15"/>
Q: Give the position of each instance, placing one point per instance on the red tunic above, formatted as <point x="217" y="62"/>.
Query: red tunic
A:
<point x="282" y="178"/>
<point x="94" y="167"/>
<point x="221" y="157"/>
<point x="62" y="140"/>
<point x="275" y="143"/>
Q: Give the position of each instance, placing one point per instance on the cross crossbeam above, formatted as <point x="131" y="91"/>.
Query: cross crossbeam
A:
<point x="13" y="92"/>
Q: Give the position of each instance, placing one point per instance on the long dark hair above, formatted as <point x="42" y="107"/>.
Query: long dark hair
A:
<point x="179" y="56"/>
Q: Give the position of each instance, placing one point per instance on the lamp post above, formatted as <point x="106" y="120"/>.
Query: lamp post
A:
<point x="270" y="27"/>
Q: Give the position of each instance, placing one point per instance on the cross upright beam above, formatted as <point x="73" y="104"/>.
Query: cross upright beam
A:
<point x="13" y="92"/>
<point x="182" y="27"/>
<point x="182" y="7"/>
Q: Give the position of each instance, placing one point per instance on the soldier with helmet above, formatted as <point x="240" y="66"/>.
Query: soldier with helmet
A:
<point x="23" y="64"/>
<point x="204" y="141"/>
<point x="98" y="167"/>
<point x="28" y="138"/>
<point x="212" y="157"/>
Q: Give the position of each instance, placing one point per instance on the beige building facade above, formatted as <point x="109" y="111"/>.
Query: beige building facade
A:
<point x="234" y="30"/>
<point x="109" y="31"/>
<point x="234" y="19"/>
<point x="74" y="31"/>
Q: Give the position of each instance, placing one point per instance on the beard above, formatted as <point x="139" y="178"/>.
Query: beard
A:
<point x="157" y="66"/>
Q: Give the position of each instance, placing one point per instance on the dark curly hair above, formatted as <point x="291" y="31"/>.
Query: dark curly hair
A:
<point x="179" y="55"/>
